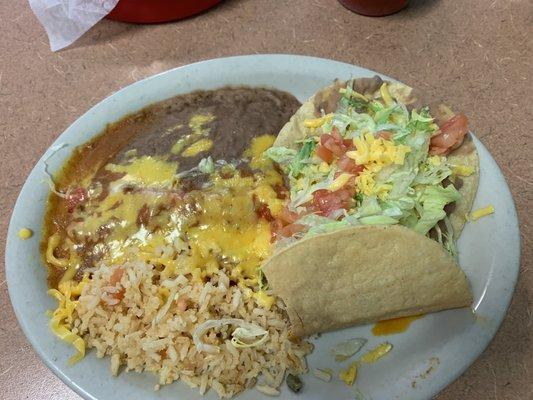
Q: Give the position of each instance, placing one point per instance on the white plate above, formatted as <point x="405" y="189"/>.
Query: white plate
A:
<point x="489" y="254"/>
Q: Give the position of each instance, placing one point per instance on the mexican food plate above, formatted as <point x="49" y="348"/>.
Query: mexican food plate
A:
<point x="263" y="226"/>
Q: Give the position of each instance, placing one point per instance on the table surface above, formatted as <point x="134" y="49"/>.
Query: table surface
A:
<point x="475" y="55"/>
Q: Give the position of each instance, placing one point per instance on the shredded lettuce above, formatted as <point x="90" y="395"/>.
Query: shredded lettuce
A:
<point x="281" y="155"/>
<point x="328" y="227"/>
<point x="431" y="174"/>
<point x="416" y="198"/>
<point x="303" y="155"/>
<point x="206" y="165"/>
<point x="311" y="181"/>
<point x="378" y="220"/>
<point x="433" y="199"/>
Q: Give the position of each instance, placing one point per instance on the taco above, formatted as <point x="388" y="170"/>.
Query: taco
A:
<point x="364" y="274"/>
<point x="367" y="158"/>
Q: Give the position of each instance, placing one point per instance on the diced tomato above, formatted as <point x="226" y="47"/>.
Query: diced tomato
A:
<point x="263" y="211"/>
<point x="290" y="230"/>
<point x="452" y="134"/>
<point x="287" y="217"/>
<point x="324" y="154"/>
<point x="120" y="294"/>
<point x="346" y="143"/>
<point x="275" y="230"/>
<point x="346" y="164"/>
<point x="75" y="197"/>
<point x="327" y="202"/>
<point x="284" y="225"/>
<point x="334" y="143"/>
<point x="385" y="135"/>
<point x="116" y="276"/>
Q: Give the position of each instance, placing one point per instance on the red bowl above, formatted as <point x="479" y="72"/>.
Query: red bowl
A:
<point x="154" y="11"/>
<point x="374" y="8"/>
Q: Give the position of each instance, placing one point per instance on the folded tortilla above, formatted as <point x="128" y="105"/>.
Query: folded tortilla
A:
<point x="326" y="100"/>
<point x="364" y="274"/>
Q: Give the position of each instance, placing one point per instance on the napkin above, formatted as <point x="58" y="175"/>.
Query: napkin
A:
<point x="66" y="20"/>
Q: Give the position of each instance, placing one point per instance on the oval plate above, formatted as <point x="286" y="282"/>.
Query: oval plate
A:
<point x="430" y="355"/>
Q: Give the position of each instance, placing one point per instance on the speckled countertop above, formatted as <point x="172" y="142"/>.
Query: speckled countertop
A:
<point x="475" y="55"/>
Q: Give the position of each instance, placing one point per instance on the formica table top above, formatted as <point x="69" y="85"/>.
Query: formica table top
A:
<point x="475" y="55"/>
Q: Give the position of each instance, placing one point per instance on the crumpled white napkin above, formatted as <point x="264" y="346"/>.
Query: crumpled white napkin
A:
<point x="66" y="20"/>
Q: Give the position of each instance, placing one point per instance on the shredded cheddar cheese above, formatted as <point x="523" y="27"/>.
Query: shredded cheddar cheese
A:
<point x="349" y="374"/>
<point x="374" y="154"/>
<point x="462" y="170"/>
<point x="385" y="95"/>
<point x="482" y="212"/>
<point x="63" y="316"/>
<point x="376" y="353"/>
<point x="318" y="122"/>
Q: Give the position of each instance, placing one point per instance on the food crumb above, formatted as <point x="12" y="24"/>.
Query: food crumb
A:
<point x="157" y="387"/>
<point x="433" y="363"/>
<point x="376" y="353"/>
<point x="268" y="390"/>
<point x="323" y="374"/>
<point x="25" y="233"/>
<point x="349" y="374"/>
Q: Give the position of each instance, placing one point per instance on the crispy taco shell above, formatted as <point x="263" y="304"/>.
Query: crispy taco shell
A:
<point x="364" y="274"/>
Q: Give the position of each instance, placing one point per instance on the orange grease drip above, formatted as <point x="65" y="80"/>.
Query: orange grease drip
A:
<point x="393" y="326"/>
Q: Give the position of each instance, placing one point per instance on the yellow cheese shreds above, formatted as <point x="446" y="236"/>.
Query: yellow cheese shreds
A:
<point x="381" y="152"/>
<point x="434" y="160"/>
<point x="482" y="212"/>
<point x="318" y="122"/>
<point x="339" y="182"/>
<point x="62" y="317"/>
<point x="376" y="353"/>
<point x="264" y="300"/>
<point x="197" y="148"/>
<point x="349" y="374"/>
<point x="385" y="95"/>
<point x="25" y="233"/>
<point x="462" y="170"/>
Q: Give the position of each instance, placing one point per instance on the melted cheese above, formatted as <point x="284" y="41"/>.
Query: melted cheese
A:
<point x="25" y="233"/>
<point x="146" y="171"/>
<point x="197" y="147"/>
<point x="198" y="130"/>
<point x="268" y="177"/>
<point x="197" y="122"/>
<point x="229" y="228"/>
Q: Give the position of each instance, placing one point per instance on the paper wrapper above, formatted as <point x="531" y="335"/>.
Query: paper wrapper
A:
<point x="66" y="20"/>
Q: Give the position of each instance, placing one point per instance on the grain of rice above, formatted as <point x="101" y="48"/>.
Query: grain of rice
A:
<point x="269" y="391"/>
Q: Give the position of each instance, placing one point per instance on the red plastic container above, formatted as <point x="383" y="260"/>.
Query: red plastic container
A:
<point x="155" y="11"/>
<point x="374" y="8"/>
